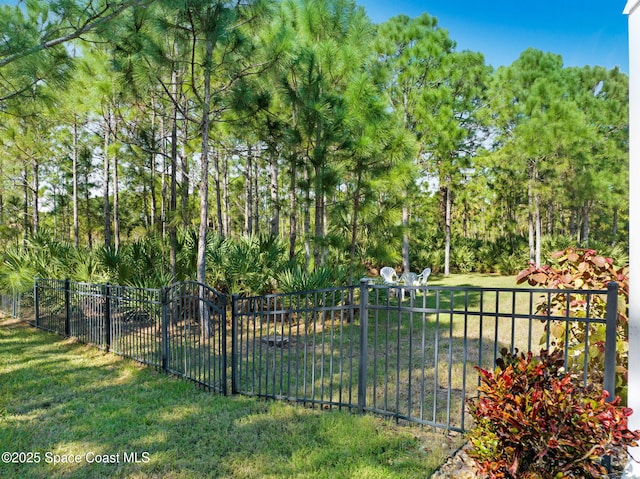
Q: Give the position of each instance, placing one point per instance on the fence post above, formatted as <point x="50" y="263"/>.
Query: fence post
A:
<point x="610" y="355"/>
<point x="611" y="341"/>
<point x="364" y="326"/>
<point x="223" y="333"/>
<point x="107" y="316"/>
<point x="164" y="293"/>
<point x="67" y="308"/>
<point x="234" y="344"/>
<point x="36" y="301"/>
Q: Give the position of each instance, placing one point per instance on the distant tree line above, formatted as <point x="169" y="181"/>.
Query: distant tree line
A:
<point x="330" y="140"/>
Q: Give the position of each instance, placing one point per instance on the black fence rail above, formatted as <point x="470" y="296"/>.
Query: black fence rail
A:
<point x="409" y="353"/>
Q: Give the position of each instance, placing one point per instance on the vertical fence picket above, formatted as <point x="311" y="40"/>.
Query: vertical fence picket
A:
<point x="67" y="308"/>
<point x="165" y="328"/>
<point x="235" y="351"/>
<point x="364" y="332"/>
<point x="222" y="357"/>
<point x="36" y="298"/>
<point x="107" y="317"/>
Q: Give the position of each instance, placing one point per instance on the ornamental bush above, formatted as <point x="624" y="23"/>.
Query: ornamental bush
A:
<point x="576" y="268"/>
<point x="534" y="420"/>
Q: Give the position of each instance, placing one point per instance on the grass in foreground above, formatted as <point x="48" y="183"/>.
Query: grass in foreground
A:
<point x="64" y="400"/>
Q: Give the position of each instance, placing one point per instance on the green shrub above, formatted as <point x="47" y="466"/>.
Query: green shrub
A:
<point x="553" y="243"/>
<point x="436" y="260"/>
<point x="509" y="263"/>
<point x="463" y="258"/>
<point x="533" y="420"/>
<point x="248" y="265"/>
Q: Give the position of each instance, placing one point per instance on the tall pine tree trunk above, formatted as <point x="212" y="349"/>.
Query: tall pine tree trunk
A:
<point x="293" y="216"/>
<point x="273" y="190"/>
<point x="530" y="220"/>
<point x="184" y="200"/>
<point x="219" y="191"/>
<point x="152" y="169"/>
<point x="76" y="222"/>
<point x="116" y="198"/>
<point x="163" y="183"/>
<point x="145" y="204"/>
<point x="204" y="172"/>
<point x="538" y="218"/>
<point x="307" y="218"/>
<point x="26" y="224"/>
<point x="248" y="192"/>
<point x="318" y="219"/>
<point x="116" y="204"/>
<point x="152" y="193"/>
<point x="87" y="205"/>
<point x="354" y="225"/>
<point x="35" y="190"/>
<point x="173" y="201"/>
<point x="534" y="218"/>
<point x="106" y="207"/>
<point x="205" y="124"/>
<point x="406" y="266"/>
<point x="447" y="229"/>
<point x="293" y="212"/>
<point x="256" y="196"/>
<point x="585" y="224"/>
<point x="614" y="229"/>
<point x="325" y="222"/>
<point x="226" y="217"/>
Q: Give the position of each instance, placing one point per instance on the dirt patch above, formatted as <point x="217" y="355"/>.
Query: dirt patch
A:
<point x="9" y="322"/>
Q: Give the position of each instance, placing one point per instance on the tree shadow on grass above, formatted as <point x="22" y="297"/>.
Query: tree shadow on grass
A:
<point x="72" y="400"/>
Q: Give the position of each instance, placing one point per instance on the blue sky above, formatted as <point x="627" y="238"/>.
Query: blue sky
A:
<point x="584" y="32"/>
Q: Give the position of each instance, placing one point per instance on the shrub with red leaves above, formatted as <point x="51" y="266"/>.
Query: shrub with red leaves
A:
<point x="534" y="420"/>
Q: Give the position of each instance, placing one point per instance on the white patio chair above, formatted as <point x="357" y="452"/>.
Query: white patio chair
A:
<point x="389" y="278"/>
<point x="409" y="279"/>
<point x="424" y="276"/>
<point x="389" y="275"/>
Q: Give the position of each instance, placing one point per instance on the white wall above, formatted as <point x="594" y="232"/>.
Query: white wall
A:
<point x="633" y="10"/>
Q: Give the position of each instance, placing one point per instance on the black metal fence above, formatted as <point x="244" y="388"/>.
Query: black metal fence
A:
<point x="405" y="352"/>
<point x="18" y="305"/>
<point x="410" y="352"/>
<point x="180" y="329"/>
<point x="300" y="346"/>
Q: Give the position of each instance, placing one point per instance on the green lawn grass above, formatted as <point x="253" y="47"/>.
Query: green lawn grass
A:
<point x="475" y="280"/>
<point x="66" y="399"/>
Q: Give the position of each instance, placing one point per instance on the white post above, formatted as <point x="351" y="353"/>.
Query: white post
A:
<point x="632" y="471"/>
